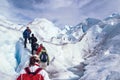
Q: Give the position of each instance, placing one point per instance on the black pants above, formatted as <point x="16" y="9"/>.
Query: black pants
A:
<point x="32" y="48"/>
<point x="25" y="42"/>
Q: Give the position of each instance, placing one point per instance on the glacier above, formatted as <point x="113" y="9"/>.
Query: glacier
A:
<point x="87" y="51"/>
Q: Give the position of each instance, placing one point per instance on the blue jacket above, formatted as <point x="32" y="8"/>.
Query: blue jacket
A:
<point x="26" y="34"/>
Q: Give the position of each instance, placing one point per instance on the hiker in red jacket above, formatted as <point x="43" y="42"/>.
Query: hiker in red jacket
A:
<point x="33" y="71"/>
<point x="39" y="49"/>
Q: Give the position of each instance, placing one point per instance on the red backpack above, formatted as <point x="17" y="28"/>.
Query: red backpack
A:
<point x="31" y="75"/>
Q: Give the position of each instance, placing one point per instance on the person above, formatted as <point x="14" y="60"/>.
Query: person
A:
<point x="44" y="58"/>
<point x="26" y="35"/>
<point x="33" y="41"/>
<point x="39" y="49"/>
<point x="35" y="47"/>
<point x="33" y="71"/>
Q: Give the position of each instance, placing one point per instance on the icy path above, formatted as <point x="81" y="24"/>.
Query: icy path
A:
<point x="69" y="73"/>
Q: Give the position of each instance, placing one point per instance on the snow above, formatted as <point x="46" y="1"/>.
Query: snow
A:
<point x="8" y="61"/>
<point x="44" y="27"/>
<point x="74" y="54"/>
<point x="106" y="62"/>
<point x="100" y="68"/>
<point x="16" y="57"/>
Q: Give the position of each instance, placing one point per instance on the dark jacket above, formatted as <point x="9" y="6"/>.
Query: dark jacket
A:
<point x="35" y="46"/>
<point x="33" y="40"/>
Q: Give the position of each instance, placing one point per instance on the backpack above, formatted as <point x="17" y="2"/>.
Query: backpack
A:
<point x="43" y="57"/>
<point x="31" y="75"/>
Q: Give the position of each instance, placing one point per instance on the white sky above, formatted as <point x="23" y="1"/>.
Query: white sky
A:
<point x="61" y="12"/>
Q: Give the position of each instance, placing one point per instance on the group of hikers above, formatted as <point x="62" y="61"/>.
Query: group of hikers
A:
<point x="37" y="62"/>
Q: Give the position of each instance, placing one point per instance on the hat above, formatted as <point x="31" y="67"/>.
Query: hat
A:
<point x="36" y="57"/>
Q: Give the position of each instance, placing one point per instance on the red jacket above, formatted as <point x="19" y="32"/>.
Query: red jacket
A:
<point x="24" y="76"/>
<point x="39" y="50"/>
<point x="29" y="75"/>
